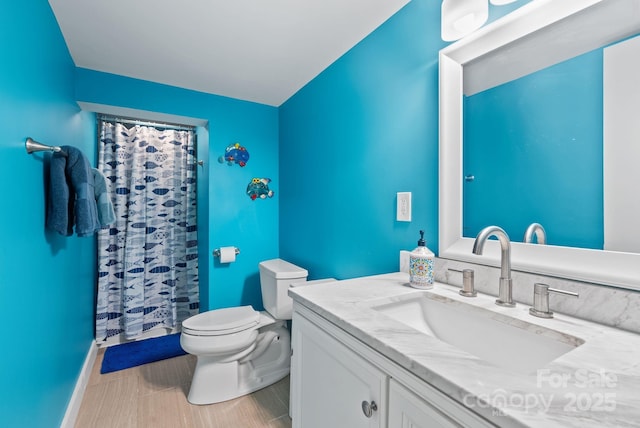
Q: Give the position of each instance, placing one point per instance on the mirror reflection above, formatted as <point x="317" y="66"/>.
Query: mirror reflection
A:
<point x="534" y="152"/>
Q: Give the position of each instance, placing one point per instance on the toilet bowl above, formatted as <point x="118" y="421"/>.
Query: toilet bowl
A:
<point x="221" y="334"/>
<point x="234" y="362"/>
<point x="240" y="350"/>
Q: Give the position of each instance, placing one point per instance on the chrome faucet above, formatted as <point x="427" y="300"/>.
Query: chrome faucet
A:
<point x="505" y="286"/>
<point x="538" y="230"/>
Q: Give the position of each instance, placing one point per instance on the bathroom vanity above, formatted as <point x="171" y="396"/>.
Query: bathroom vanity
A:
<point x="373" y="352"/>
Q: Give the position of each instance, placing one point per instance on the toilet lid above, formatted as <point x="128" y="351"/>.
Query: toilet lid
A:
<point x="221" y="321"/>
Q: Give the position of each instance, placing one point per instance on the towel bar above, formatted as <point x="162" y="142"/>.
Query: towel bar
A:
<point x="33" y="146"/>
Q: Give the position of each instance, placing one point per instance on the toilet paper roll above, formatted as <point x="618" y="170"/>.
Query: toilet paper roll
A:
<point x="227" y="254"/>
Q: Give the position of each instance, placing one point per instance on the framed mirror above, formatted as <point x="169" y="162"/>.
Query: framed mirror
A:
<point x="538" y="35"/>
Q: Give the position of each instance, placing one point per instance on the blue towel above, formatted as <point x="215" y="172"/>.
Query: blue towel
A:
<point x="71" y="194"/>
<point x="106" y="214"/>
<point x="59" y="208"/>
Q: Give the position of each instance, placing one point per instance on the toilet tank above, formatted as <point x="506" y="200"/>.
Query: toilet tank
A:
<point x="276" y="276"/>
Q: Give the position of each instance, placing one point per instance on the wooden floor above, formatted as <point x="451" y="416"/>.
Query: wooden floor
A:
<point x="155" y="395"/>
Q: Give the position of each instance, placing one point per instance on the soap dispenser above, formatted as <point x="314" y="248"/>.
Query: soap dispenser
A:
<point x="421" y="266"/>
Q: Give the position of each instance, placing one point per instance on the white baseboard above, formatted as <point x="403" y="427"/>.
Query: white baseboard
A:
<point x="73" y="407"/>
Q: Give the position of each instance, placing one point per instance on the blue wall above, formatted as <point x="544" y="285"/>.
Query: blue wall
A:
<point x="232" y="218"/>
<point x="543" y="131"/>
<point x="364" y="129"/>
<point x="48" y="281"/>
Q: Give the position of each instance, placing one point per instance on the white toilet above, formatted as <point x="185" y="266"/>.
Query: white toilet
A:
<point x="241" y="350"/>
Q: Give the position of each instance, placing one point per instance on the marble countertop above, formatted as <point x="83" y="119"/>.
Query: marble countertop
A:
<point x="597" y="384"/>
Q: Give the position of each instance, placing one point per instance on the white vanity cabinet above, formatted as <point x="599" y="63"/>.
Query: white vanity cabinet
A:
<point x="332" y="385"/>
<point x="407" y="410"/>
<point x="339" y="382"/>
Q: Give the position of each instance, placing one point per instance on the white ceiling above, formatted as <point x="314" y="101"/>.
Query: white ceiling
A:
<point x="255" y="50"/>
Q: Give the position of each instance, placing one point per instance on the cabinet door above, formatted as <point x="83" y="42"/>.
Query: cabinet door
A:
<point x="407" y="410"/>
<point x="329" y="382"/>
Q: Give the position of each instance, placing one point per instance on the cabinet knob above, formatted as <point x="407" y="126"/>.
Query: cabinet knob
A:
<point x="369" y="408"/>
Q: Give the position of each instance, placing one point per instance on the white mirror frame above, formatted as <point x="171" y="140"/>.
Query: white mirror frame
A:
<point x="539" y="34"/>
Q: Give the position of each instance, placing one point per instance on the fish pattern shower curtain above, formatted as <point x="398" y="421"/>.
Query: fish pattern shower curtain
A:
<point x="148" y="259"/>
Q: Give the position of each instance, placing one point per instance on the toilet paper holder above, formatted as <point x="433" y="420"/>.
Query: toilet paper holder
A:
<point x="216" y="252"/>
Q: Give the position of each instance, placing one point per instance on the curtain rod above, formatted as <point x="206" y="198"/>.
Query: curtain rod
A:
<point x="134" y="121"/>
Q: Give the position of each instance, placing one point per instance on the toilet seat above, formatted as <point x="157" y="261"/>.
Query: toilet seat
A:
<point x="221" y="322"/>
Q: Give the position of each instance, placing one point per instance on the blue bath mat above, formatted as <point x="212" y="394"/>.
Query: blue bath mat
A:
<point x="145" y="351"/>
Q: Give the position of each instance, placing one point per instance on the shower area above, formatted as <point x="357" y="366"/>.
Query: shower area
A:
<point x="148" y="258"/>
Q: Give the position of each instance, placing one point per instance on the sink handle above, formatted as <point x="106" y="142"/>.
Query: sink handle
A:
<point x="565" y="292"/>
<point x="541" y="299"/>
<point x="468" y="288"/>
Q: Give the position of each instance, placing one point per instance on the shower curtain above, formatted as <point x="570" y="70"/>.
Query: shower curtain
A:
<point x="148" y="259"/>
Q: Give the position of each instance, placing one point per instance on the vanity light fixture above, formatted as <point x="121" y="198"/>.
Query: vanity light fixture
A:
<point x="462" y="17"/>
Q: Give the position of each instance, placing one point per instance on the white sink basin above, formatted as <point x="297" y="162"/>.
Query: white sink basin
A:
<point x="503" y="341"/>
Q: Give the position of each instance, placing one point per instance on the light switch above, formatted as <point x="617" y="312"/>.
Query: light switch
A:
<point x="403" y="209"/>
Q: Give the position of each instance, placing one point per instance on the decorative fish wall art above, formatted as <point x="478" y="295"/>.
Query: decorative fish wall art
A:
<point x="235" y="154"/>
<point x="259" y="188"/>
